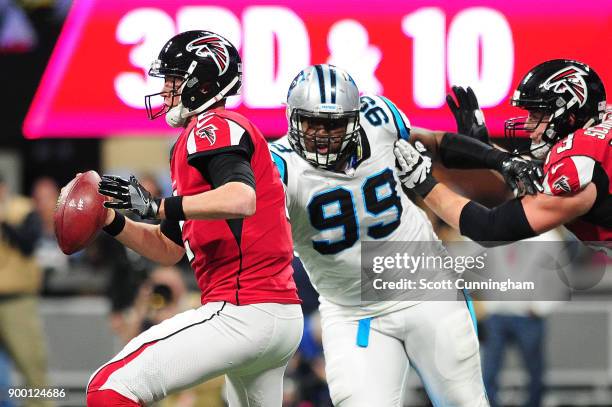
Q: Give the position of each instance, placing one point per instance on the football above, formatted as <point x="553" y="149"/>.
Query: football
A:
<point x="79" y="213"/>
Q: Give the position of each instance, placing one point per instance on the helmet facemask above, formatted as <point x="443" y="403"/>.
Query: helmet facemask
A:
<point x="324" y="139"/>
<point x="174" y="93"/>
<point x="522" y="127"/>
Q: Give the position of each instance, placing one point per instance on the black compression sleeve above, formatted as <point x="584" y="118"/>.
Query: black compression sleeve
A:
<point x="463" y="152"/>
<point x="172" y="231"/>
<point x="226" y="167"/>
<point x="492" y="227"/>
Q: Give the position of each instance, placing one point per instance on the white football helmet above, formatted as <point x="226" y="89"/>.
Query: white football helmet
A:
<point x="323" y="97"/>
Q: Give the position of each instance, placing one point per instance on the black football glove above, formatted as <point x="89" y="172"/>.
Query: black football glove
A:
<point x="523" y="176"/>
<point x="129" y="194"/>
<point x="469" y="117"/>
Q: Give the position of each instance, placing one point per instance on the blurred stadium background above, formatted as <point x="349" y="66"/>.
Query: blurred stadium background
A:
<point x="73" y="80"/>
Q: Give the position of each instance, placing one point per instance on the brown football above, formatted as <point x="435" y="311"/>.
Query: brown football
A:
<point x="79" y="213"/>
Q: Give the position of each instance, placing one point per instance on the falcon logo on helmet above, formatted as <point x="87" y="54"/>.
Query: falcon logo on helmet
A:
<point x="214" y="47"/>
<point x="570" y="79"/>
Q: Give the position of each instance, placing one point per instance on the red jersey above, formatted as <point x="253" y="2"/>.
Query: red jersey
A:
<point x="574" y="162"/>
<point x="242" y="261"/>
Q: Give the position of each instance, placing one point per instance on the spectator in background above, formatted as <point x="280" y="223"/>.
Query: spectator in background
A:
<point x="522" y="323"/>
<point x="161" y="296"/>
<point x="308" y="295"/>
<point x="5" y="379"/>
<point x="48" y="254"/>
<point x="20" y="325"/>
<point x="308" y="367"/>
<point x="128" y="269"/>
<point x="16" y="31"/>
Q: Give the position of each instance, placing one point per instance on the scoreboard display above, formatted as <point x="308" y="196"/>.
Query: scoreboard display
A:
<point x="411" y="52"/>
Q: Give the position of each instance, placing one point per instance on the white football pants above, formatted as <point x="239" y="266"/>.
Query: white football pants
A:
<point x="250" y="344"/>
<point x="437" y="338"/>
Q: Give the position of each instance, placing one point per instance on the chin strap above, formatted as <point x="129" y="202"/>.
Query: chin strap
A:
<point x="174" y="116"/>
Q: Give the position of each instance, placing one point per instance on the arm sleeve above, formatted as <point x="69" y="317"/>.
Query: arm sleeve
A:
<point x="227" y="165"/>
<point x="569" y="175"/>
<point x="493" y="227"/>
<point x="25" y="236"/>
<point x="463" y="152"/>
<point x="172" y="231"/>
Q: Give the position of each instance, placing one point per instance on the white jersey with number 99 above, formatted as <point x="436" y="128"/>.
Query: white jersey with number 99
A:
<point x="331" y="213"/>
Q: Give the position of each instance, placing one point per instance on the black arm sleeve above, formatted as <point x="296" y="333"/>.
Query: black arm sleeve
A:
<point x="172" y="231"/>
<point x="229" y="165"/>
<point x="226" y="167"/>
<point x="463" y="152"/>
<point x="503" y="224"/>
<point x="25" y="236"/>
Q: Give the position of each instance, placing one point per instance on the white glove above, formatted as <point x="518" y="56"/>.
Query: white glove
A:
<point x="414" y="169"/>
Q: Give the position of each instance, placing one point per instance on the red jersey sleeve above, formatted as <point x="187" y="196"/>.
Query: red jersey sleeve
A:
<point x="214" y="134"/>
<point x="571" y="162"/>
<point x="568" y="175"/>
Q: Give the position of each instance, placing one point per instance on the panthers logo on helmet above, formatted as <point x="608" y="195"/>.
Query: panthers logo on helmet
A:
<point x="214" y="47"/>
<point x="570" y="79"/>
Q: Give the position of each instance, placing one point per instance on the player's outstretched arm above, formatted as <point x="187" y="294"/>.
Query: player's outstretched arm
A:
<point x="146" y="239"/>
<point x="470" y="122"/>
<point x="229" y="201"/>
<point x="429" y="138"/>
<point x="514" y="220"/>
<point x="470" y="147"/>
<point x="545" y="212"/>
<point x="231" y="198"/>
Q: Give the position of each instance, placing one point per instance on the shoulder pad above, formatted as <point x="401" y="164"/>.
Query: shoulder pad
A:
<point x="280" y="151"/>
<point x="380" y="112"/>
<point x="281" y="146"/>
<point x="212" y="132"/>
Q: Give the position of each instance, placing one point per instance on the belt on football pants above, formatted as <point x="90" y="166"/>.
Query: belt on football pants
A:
<point x="363" y="332"/>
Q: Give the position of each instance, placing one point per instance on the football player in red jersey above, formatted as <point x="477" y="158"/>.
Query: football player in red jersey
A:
<point x="227" y="214"/>
<point x="569" y="128"/>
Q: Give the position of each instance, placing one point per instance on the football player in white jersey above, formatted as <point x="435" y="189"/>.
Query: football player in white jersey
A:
<point x="337" y="163"/>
